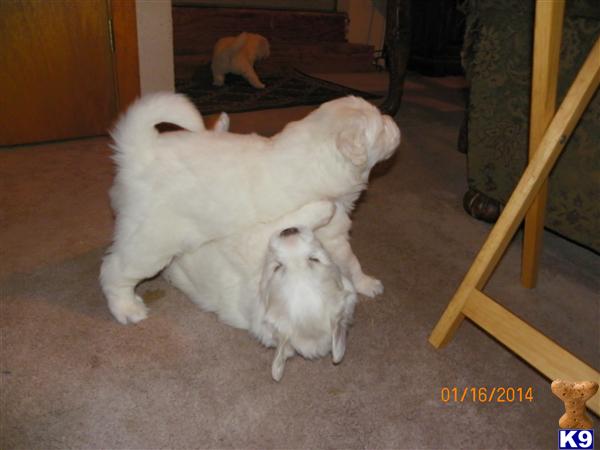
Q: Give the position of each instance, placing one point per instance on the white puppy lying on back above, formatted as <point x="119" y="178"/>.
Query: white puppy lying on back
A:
<point x="237" y="54"/>
<point x="277" y="281"/>
<point x="174" y="192"/>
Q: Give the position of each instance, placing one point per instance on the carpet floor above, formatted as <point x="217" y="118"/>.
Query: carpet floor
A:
<point x="72" y="377"/>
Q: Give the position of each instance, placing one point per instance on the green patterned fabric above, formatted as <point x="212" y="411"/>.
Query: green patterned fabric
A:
<point x="497" y="59"/>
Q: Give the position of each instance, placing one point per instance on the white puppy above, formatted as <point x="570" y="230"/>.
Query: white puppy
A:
<point x="174" y="192"/>
<point x="277" y="281"/>
<point x="309" y="303"/>
<point x="237" y="55"/>
<point x="335" y="237"/>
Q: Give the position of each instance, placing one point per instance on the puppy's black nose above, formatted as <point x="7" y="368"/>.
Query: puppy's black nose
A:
<point x="289" y="232"/>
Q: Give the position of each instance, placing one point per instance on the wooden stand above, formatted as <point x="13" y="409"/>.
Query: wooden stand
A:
<point x="527" y="342"/>
<point x="547" y="37"/>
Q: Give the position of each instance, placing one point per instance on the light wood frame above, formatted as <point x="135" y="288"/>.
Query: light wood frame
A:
<point x="469" y="301"/>
<point x="543" y="106"/>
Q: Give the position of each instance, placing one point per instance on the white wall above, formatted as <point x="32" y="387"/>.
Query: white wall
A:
<point x="155" y="45"/>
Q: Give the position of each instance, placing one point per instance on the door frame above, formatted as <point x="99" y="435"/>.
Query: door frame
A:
<point x="125" y="55"/>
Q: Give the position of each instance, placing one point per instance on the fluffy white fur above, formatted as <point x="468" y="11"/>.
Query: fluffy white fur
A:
<point x="237" y="54"/>
<point x="309" y="303"/>
<point x="174" y="192"/>
<point x="285" y="290"/>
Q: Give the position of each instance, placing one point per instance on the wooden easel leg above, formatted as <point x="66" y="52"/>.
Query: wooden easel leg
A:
<point x="535" y="175"/>
<point x="451" y="318"/>
<point x="543" y="353"/>
<point x="547" y="38"/>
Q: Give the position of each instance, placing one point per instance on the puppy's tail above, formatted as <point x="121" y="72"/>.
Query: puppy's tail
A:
<point x="135" y="131"/>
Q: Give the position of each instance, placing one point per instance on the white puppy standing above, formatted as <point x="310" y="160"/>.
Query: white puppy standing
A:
<point x="237" y="54"/>
<point x="174" y="192"/>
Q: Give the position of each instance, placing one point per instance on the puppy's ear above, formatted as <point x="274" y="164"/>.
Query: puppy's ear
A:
<point x="222" y="123"/>
<point x="283" y="352"/>
<point x="352" y="143"/>
<point x="268" y="270"/>
<point x="338" y="341"/>
<point x="340" y="324"/>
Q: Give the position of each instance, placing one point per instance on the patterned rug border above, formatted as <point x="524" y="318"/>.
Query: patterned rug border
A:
<point x="256" y="100"/>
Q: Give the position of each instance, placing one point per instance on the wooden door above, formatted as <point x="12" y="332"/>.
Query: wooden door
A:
<point x="57" y="79"/>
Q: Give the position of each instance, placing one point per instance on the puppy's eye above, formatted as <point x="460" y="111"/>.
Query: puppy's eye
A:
<point x="313" y="259"/>
<point x="277" y="267"/>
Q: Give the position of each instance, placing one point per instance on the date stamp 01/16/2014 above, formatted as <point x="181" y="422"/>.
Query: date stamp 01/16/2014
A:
<point x="486" y="394"/>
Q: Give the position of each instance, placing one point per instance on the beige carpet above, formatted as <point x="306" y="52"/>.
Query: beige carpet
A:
<point x="72" y="377"/>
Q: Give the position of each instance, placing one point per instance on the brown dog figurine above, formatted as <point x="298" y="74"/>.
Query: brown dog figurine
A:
<point x="574" y="395"/>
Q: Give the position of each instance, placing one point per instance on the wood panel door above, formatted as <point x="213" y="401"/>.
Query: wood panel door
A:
<point x="57" y="79"/>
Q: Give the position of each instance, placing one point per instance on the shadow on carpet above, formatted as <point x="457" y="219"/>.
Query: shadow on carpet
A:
<point x="285" y="88"/>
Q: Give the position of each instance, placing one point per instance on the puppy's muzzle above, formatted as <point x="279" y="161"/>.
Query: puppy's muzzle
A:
<point x="289" y="232"/>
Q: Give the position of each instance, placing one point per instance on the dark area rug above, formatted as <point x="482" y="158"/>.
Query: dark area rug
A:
<point x="285" y="87"/>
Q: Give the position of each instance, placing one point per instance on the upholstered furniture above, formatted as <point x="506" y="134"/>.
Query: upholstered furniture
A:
<point x="497" y="58"/>
<point x="550" y="130"/>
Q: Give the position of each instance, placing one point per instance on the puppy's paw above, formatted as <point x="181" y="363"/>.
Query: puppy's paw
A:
<point x="322" y="212"/>
<point x="368" y="286"/>
<point x="129" y="311"/>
